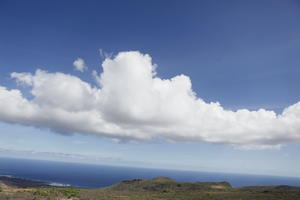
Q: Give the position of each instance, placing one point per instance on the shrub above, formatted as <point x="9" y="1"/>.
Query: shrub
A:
<point x="70" y="192"/>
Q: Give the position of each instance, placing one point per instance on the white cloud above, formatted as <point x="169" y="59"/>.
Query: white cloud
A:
<point x="133" y="103"/>
<point x="105" y="54"/>
<point x="79" y="64"/>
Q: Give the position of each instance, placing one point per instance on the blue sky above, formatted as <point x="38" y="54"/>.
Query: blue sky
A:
<point x="243" y="54"/>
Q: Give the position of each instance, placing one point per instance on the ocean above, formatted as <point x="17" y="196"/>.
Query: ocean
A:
<point x="95" y="176"/>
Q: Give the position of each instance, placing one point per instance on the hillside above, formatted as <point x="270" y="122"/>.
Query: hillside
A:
<point x="160" y="188"/>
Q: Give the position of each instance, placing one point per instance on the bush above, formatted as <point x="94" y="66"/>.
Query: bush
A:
<point x="70" y="192"/>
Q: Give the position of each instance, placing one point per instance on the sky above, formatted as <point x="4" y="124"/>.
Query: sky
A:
<point x="197" y="85"/>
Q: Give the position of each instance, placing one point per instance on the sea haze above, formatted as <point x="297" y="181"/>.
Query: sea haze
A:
<point x="94" y="176"/>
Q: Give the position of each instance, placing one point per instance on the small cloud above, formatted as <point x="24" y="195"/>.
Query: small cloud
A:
<point x="22" y="78"/>
<point x="116" y="140"/>
<point x="105" y="54"/>
<point x="80" y="65"/>
<point x="96" y="77"/>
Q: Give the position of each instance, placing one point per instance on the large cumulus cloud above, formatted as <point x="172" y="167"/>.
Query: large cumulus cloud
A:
<point x="132" y="102"/>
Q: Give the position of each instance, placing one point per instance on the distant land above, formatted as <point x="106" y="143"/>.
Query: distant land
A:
<point x="144" y="189"/>
<point x="14" y="182"/>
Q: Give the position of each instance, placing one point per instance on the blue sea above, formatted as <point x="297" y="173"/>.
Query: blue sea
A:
<point x="95" y="176"/>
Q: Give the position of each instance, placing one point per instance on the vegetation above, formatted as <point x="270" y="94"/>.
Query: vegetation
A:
<point x="160" y="188"/>
<point x="70" y="192"/>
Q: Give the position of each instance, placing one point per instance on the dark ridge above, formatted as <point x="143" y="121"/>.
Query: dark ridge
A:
<point x="271" y="188"/>
<point x="22" y="183"/>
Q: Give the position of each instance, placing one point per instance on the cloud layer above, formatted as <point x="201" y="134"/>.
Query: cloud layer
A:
<point x="132" y="102"/>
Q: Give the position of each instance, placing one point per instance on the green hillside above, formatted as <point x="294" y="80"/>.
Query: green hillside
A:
<point x="160" y="188"/>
